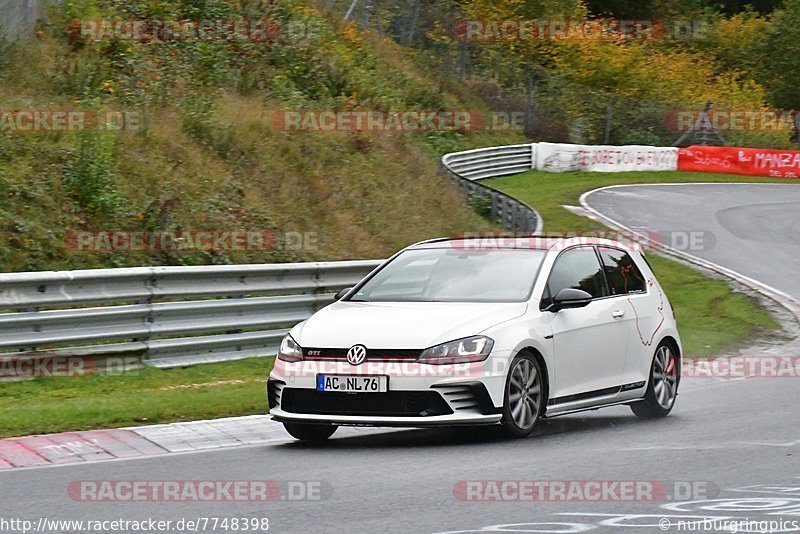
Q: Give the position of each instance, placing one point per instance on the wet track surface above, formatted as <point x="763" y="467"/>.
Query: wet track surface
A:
<point x="722" y="438"/>
<point x="736" y="443"/>
<point x="753" y="229"/>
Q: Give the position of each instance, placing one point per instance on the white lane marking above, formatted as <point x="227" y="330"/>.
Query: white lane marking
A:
<point x="187" y="437"/>
<point x="211" y="435"/>
<point x="782" y="298"/>
<point x="83" y="465"/>
<point x="765" y="506"/>
<point x="73" y="448"/>
<point x="731" y="445"/>
<point x="569" y="528"/>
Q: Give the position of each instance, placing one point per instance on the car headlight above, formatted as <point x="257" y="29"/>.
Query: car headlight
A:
<point x="290" y="351"/>
<point x="468" y="349"/>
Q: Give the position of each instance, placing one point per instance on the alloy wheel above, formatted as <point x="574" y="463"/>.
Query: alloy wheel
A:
<point x="665" y="377"/>
<point x="525" y="393"/>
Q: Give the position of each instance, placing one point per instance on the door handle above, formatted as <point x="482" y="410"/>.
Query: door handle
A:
<point x="617" y="314"/>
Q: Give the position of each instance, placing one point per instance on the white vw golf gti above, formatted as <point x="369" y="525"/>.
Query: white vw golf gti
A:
<point x="483" y="331"/>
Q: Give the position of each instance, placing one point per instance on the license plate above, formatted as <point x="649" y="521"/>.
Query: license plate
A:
<point x="353" y="384"/>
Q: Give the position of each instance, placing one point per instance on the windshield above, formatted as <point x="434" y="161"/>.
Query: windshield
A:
<point x="451" y="275"/>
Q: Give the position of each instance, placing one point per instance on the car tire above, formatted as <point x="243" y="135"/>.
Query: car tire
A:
<point x="662" y="387"/>
<point x="310" y="432"/>
<point x="524" y="399"/>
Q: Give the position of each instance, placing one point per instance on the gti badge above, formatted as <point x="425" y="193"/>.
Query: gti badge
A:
<point x="357" y="354"/>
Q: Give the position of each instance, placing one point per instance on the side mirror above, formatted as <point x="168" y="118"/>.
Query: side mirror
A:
<point x="570" y="298"/>
<point x="342" y="293"/>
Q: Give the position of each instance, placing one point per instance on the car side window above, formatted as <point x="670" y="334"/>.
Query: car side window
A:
<point x="577" y="268"/>
<point x="621" y="272"/>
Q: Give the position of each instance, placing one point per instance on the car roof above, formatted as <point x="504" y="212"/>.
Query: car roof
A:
<point x="501" y="242"/>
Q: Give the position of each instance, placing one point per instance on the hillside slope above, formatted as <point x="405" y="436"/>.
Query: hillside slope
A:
<point x="207" y="152"/>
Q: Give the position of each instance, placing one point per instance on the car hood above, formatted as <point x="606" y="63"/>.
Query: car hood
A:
<point x="401" y="325"/>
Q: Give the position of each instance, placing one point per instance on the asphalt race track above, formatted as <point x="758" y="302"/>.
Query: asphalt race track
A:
<point x="753" y="229"/>
<point x="735" y="443"/>
<point x="725" y="436"/>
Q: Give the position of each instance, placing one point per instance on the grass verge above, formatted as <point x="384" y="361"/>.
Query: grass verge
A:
<point x="143" y="396"/>
<point x="713" y="318"/>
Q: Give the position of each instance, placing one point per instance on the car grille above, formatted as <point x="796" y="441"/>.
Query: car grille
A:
<point x="471" y="396"/>
<point x="314" y="353"/>
<point x="389" y="404"/>
<point x="274" y="389"/>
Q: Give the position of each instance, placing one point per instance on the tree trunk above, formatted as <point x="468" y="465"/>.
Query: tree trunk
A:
<point x="411" y="29"/>
<point x="612" y="106"/>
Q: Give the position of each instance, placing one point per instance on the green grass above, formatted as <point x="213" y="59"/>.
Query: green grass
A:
<point x="211" y="152"/>
<point x="549" y="192"/>
<point x="712" y="318"/>
<point x="144" y="396"/>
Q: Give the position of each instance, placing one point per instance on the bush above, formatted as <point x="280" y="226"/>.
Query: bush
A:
<point x="90" y="174"/>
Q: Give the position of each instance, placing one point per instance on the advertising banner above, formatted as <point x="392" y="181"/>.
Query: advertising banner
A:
<point x="560" y="157"/>
<point x="746" y="161"/>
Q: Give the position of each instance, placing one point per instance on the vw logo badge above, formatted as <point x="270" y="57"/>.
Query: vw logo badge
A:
<point x="357" y="354"/>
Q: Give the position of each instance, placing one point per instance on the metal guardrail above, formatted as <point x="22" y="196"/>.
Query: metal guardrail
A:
<point x="165" y="316"/>
<point x="472" y="165"/>
<point x="177" y="316"/>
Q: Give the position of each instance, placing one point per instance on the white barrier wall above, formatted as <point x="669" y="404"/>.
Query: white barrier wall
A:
<point x="560" y="157"/>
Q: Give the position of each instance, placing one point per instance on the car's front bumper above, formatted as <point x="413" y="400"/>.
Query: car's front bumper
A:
<point x="419" y="395"/>
<point x="358" y="420"/>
